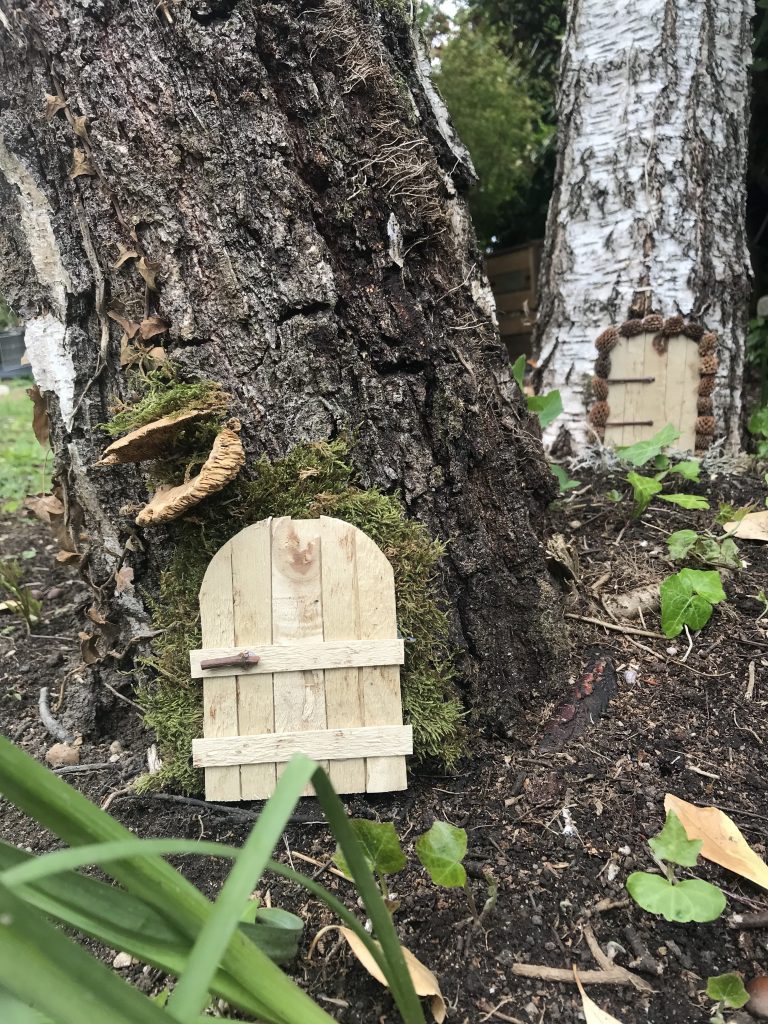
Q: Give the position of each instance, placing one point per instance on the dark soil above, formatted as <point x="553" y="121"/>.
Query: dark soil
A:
<point x="560" y="831"/>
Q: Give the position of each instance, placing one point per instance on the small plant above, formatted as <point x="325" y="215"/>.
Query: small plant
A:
<point x="548" y="406"/>
<point x="687" y="599"/>
<point x="727" y="513"/>
<point x="690" y="900"/>
<point x="21" y="600"/>
<point x="703" y="549"/>
<point x="381" y="849"/>
<point x="728" y="993"/>
<point x="441" y="852"/>
<point x="565" y="483"/>
<point x="645" y="488"/>
<point x="757" y="424"/>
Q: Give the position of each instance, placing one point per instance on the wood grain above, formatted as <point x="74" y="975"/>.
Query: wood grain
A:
<point x="302" y="655"/>
<point x="319" y="744"/>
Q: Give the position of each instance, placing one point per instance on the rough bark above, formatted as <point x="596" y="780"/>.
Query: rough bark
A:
<point x="292" y="172"/>
<point x="648" y="209"/>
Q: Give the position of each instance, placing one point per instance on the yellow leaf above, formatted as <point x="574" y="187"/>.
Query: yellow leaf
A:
<point x="722" y="842"/>
<point x="592" y="1012"/>
<point x="424" y="981"/>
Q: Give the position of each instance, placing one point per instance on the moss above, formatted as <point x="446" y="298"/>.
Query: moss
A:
<point x="162" y="394"/>
<point x="312" y="480"/>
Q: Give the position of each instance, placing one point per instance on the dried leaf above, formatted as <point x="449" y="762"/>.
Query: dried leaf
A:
<point x="44" y="506"/>
<point x="124" y="579"/>
<point x="754" y="526"/>
<point x="722" y="842"/>
<point x="423" y="979"/>
<point x="148" y="271"/>
<point x="78" y="127"/>
<point x="96" y="615"/>
<point x="130" y="327"/>
<point x="151" y="326"/>
<point x="81" y="164"/>
<point x="89" y="650"/>
<point x="592" y="1012"/>
<point x="53" y="104"/>
<point x="157" y="354"/>
<point x="125" y="254"/>
<point x="40" y="422"/>
<point x="129" y="354"/>
<point x="67" y="557"/>
<point x="305" y="474"/>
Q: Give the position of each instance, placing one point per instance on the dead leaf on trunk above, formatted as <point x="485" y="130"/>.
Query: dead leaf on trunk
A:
<point x="722" y="842"/>
<point x="53" y="104"/>
<point x="124" y="579"/>
<point x="148" y="271"/>
<point x="89" y="648"/>
<point x="125" y="254"/>
<point x="151" y="326"/>
<point x="424" y="981"/>
<point x="78" y="127"/>
<point x="754" y="526"/>
<point x="81" y="164"/>
<point x="40" y="422"/>
<point x="130" y="327"/>
<point x="67" y="557"/>
<point x="592" y="1012"/>
<point x="44" y="506"/>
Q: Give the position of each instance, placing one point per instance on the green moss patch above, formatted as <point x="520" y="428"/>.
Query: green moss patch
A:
<point x="163" y="395"/>
<point x="312" y="480"/>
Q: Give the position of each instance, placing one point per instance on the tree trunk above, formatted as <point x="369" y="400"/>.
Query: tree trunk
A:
<point x="648" y="210"/>
<point x="290" y="174"/>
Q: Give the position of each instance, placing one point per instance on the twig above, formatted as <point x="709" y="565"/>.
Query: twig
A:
<point x="56" y="729"/>
<point x="78" y="769"/>
<point x="632" y="630"/>
<point x="691" y="668"/>
<point x="52" y="636"/>
<point x="501" y="1016"/>
<point x="690" y="646"/>
<point x="616" y="975"/>
<point x="750" y="682"/>
<point x="608" y="965"/>
<point x="759" y="920"/>
<point x="604" y="905"/>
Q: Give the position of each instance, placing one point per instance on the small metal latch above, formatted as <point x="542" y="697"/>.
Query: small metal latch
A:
<point x="235" y="660"/>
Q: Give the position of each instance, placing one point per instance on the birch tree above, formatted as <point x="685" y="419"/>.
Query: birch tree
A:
<point x="648" y="210"/>
<point x="268" y="196"/>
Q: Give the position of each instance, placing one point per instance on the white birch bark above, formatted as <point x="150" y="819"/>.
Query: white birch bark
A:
<point x="649" y="193"/>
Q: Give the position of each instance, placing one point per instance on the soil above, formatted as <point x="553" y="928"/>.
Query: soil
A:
<point x="559" y="819"/>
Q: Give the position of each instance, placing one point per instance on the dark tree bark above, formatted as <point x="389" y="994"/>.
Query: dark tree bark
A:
<point x="291" y="172"/>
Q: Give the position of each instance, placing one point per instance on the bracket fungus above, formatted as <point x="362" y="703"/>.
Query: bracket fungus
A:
<point x="225" y="461"/>
<point x="148" y="442"/>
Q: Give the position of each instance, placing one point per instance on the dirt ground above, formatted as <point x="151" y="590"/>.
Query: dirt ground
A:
<point x="559" y="830"/>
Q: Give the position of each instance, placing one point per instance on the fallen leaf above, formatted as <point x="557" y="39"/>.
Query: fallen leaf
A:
<point x="148" y="271"/>
<point x="81" y="164"/>
<point x="10" y="606"/>
<point x="754" y="526"/>
<point x="157" y="354"/>
<point x="40" y="423"/>
<point x="89" y="650"/>
<point x="44" y="506"/>
<point x="78" y="127"/>
<point x="424" y="981"/>
<point x="722" y="842"/>
<point x="592" y="1012"/>
<point x="96" y="615"/>
<point x="130" y="327"/>
<point x="53" y="104"/>
<point x="67" y="557"/>
<point x="124" y="254"/>
<point x="123" y="579"/>
<point x="151" y="326"/>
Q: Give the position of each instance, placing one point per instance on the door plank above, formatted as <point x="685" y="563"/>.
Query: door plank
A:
<point x="335" y="744"/>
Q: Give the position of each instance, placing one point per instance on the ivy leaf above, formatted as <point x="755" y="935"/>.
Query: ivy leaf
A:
<point x="673" y="845"/>
<point x="687" y="599"/>
<point x="441" y="851"/>
<point x="547" y="407"/>
<point x="380" y="844"/>
<point x="643" y="451"/>
<point x="518" y="370"/>
<point x="643" y="488"/>
<point x="685" y="500"/>
<point x="691" y="900"/>
<point x="681" y="543"/>
<point x="728" y="989"/>
<point x="689" y="470"/>
<point x="564" y="482"/>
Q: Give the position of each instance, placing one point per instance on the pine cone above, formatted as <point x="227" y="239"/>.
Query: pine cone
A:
<point x="598" y="414"/>
<point x="673" y="325"/>
<point x="653" y="323"/>
<point x="630" y="328"/>
<point x="705" y="425"/>
<point x="706" y="385"/>
<point x="703" y="441"/>
<point x="708" y="344"/>
<point x="606" y="341"/>
<point x="599" y="388"/>
<point x="693" y="331"/>
<point x="705" y="406"/>
<point x="708" y="364"/>
<point x="603" y="365"/>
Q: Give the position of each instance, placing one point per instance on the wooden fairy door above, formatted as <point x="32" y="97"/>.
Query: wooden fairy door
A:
<point x="302" y="613"/>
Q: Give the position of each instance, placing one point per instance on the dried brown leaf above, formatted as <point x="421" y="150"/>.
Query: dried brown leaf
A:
<point x="722" y="842"/>
<point x="78" y="127"/>
<point x="130" y="327"/>
<point x="754" y="526"/>
<point x="151" y="326"/>
<point x="592" y="1012"/>
<point x="89" y="648"/>
<point x="157" y="354"/>
<point x="124" y="579"/>
<point x="67" y="557"/>
<point x="81" y="164"/>
<point x="40" y="422"/>
<point x="53" y="104"/>
<point x="124" y="254"/>
<point x="45" y="506"/>
<point x="148" y="270"/>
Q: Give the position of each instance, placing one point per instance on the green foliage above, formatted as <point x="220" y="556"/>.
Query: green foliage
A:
<point x="214" y="951"/>
<point x="672" y="843"/>
<point x="380" y="845"/>
<point x="690" y="469"/>
<point x="162" y="394"/>
<point x="687" y="599"/>
<point x="564" y="482"/>
<point x="690" y="501"/>
<point x="441" y="852"/>
<point x="689" y="900"/>
<point x="643" y="490"/>
<point x="518" y="370"/>
<point x="547" y="407"/>
<point x="20" y="600"/>
<point x="486" y="93"/>
<point x="7" y="317"/>
<point x="758" y="427"/>
<point x="703" y="549"/>
<point x="727" y="989"/>
<point x="641" y="452"/>
<point x="312" y="480"/>
<point x="23" y="463"/>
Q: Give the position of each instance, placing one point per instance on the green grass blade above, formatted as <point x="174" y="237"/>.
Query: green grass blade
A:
<point x="190" y="994"/>
<point x="47" y="971"/>
<point x="395" y="970"/>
